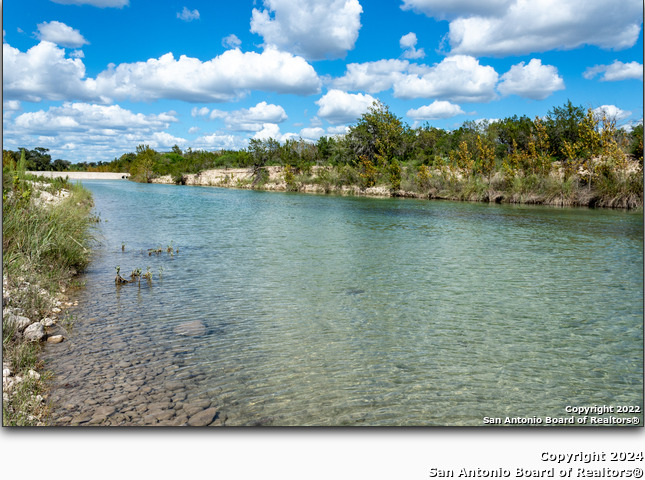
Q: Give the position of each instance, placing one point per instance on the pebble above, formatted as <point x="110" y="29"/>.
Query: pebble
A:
<point x="55" y="339"/>
<point x="192" y="329"/>
<point x="196" y="406"/>
<point x="47" y="322"/>
<point x="83" y="417"/>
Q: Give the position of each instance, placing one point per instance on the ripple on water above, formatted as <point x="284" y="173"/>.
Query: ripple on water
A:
<point x="312" y="310"/>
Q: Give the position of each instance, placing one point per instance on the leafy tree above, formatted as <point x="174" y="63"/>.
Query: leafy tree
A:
<point x="142" y="167"/>
<point x="378" y="136"/>
<point x="562" y="126"/>
<point x="61" y="165"/>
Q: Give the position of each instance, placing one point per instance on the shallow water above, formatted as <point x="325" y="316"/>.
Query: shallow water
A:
<point x="323" y="310"/>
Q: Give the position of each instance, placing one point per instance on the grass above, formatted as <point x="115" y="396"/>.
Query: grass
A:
<point x="43" y="248"/>
<point x="612" y="188"/>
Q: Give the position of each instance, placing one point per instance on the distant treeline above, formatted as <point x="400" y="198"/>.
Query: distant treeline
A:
<point x="569" y="139"/>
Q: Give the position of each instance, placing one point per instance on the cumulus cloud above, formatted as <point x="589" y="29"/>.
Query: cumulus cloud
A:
<point x="446" y="9"/>
<point x="616" y="71"/>
<point x="230" y="75"/>
<point x="251" y="119"/>
<point x="513" y="27"/>
<point x="338" y="130"/>
<point x="459" y="78"/>
<point x="371" y="77"/>
<point x="95" y="3"/>
<point x="312" y="133"/>
<point x="611" y="112"/>
<point x="11" y="105"/>
<point x="219" y="141"/>
<point x="91" y="118"/>
<point x="199" y="112"/>
<point x="188" y="15"/>
<point x="83" y="131"/>
<point x="408" y="43"/>
<point x="436" y="110"/>
<point x="534" y="81"/>
<point x="231" y="41"/>
<point x="60" y="34"/>
<point x="338" y="107"/>
<point x="44" y="72"/>
<point x="315" y="29"/>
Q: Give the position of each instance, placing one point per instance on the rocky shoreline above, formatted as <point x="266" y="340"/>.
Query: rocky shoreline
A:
<point x="26" y="329"/>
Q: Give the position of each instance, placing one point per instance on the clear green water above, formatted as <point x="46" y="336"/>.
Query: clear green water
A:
<point x="353" y="311"/>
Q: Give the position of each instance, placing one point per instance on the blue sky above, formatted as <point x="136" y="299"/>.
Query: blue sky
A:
<point x="92" y="79"/>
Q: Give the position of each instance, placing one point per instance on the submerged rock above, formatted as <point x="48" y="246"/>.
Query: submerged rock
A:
<point x="203" y="418"/>
<point x="191" y="329"/>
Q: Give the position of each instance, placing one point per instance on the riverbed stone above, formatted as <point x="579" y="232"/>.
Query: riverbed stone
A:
<point x="173" y="385"/>
<point x="203" y="418"/>
<point x="194" y="328"/>
<point x="195" y="406"/>
<point x="81" y="418"/>
<point x="34" y="332"/>
<point x="55" y="339"/>
<point x="47" y="322"/>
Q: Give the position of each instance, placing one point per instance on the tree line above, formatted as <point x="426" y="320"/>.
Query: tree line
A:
<point x="380" y="145"/>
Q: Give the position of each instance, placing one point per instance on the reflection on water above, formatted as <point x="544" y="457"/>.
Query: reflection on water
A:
<point x="318" y="310"/>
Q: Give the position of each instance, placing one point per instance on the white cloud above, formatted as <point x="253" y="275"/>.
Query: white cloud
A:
<point x="90" y="118"/>
<point x="436" y="110"/>
<point x="534" y="81"/>
<point x="371" y="77"/>
<point x="251" y="119"/>
<point x="90" y="132"/>
<point x="338" y="130"/>
<point x="459" y="78"/>
<point x="9" y="108"/>
<point x="193" y="130"/>
<point x="341" y="107"/>
<point x="44" y="73"/>
<point x="199" y="112"/>
<point x="228" y="76"/>
<point x="11" y="105"/>
<point x="188" y="15"/>
<point x="315" y="29"/>
<point x="444" y="9"/>
<point x="408" y="43"/>
<point x="312" y="133"/>
<point x="95" y="3"/>
<point x="612" y="112"/>
<point x="514" y="27"/>
<point x="616" y="71"/>
<point x="268" y="130"/>
<point x="219" y="141"/>
<point x="60" y="34"/>
<point x="231" y="41"/>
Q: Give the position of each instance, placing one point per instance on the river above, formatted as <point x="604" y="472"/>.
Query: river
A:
<point x="292" y="309"/>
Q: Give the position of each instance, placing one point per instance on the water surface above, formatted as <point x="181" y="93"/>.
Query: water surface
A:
<point x="324" y="310"/>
